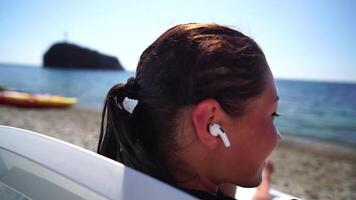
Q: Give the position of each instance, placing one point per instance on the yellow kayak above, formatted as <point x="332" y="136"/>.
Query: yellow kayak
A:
<point x="23" y="99"/>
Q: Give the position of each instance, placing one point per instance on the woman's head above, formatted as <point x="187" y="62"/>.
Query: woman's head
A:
<point x="193" y="75"/>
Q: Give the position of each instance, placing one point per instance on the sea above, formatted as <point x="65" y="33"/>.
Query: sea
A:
<point x="310" y="109"/>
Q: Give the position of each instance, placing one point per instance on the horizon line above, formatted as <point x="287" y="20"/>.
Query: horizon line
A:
<point x="324" y="80"/>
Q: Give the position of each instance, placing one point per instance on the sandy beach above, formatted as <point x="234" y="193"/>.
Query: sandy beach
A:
<point x="306" y="168"/>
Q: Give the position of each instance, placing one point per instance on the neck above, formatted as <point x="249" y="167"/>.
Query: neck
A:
<point x="188" y="178"/>
<point x="198" y="184"/>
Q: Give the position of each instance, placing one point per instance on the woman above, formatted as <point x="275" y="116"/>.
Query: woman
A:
<point x="204" y="118"/>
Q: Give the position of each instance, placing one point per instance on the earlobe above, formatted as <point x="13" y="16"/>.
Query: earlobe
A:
<point x="203" y="115"/>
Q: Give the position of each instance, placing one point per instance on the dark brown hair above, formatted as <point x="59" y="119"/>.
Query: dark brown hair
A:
<point x="185" y="65"/>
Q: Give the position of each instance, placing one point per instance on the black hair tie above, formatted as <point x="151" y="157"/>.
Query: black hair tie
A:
<point x="119" y="91"/>
<point x="131" y="88"/>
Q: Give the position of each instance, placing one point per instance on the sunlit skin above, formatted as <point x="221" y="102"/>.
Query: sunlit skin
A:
<point x="253" y="137"/>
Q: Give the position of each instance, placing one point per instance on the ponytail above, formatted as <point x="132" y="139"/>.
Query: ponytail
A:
<point x="129" y="138"/>
<point x="107" y="142"/>
<point x="115" y="142"/>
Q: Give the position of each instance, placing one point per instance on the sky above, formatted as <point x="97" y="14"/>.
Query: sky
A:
<point x="302" y="39"/>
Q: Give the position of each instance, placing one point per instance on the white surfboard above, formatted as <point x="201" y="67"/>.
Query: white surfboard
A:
<point x="35" y="166"/>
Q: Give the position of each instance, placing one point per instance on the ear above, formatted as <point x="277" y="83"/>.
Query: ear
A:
<point x="204" y="113"/>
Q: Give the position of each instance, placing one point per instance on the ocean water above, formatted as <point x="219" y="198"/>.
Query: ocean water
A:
<point x="89" y="86"/>
<point x="318" y="110"/>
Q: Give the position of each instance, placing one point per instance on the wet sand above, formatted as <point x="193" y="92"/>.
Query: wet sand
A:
<point x="306" y="168"/>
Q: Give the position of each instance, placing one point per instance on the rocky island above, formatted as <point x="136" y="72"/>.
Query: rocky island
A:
<point x="66" y="55"/>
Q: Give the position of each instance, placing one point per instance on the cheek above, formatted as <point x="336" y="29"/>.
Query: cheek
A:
<point x="250" y="146"/>
<point x="261" y="141"/>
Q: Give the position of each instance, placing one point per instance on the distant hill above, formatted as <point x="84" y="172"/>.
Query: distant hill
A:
<point x="65" y="55"/>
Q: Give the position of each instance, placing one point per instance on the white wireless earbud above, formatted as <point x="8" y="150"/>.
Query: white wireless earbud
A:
<point x="216" y="130"/>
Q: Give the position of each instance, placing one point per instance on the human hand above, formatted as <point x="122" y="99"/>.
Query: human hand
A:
<point x="262" y="192"/>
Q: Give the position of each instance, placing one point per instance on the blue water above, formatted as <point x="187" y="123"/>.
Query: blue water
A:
<point x="89" y="86"/>
<point x="318" y="110"/>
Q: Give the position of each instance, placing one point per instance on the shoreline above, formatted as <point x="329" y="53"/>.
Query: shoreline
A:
<point x="317" y="145"/>
<point x="313" y="139"/>
<point x="305" y="167"/>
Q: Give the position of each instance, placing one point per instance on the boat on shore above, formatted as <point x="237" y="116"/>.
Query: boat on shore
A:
<point x="28" y="100"/>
